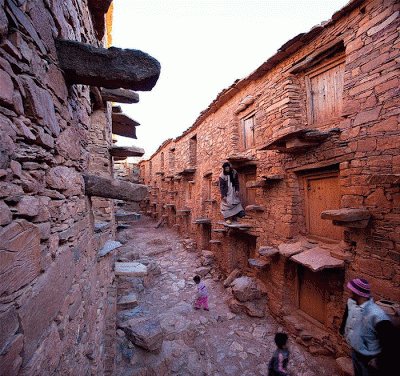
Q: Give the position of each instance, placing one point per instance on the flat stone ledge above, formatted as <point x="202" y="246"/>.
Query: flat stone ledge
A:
<point x="130" y="269"/>
<point x="112" y="68"/>
<point x="108" y="247"/>
<point x="119" y="95"/>
<point x="317" y="259"/>
<point x="355" y="218"/>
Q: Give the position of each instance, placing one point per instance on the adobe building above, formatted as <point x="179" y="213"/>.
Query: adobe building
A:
<point x="57" y="216"/>
<point x="314" y="134"/>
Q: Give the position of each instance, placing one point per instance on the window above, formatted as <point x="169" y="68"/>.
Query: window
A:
<point x="248" y="124"/>
<point x="162" y="161"/>
<point x="171" y="159"/>
<point x="150" y="169"/>
<point x="208" y="187"/>
<point x="193" y="151"/>
<point x="325" y="91"/>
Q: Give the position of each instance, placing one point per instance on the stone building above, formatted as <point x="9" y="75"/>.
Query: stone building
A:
<point x="314" y="134"/>
<point x="57" y="82"/>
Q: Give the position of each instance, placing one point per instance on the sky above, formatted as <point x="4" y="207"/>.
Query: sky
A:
<point x="203" y="47"/>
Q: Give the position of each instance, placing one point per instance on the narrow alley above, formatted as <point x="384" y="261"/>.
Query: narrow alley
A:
<point x="217" y="342"/>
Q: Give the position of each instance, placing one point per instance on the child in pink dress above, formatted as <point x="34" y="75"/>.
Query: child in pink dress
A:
<point x="202" y="294"/>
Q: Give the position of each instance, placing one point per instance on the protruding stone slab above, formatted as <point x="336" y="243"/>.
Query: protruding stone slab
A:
<point x="119" y="95"/>
<point x="317" y="259"/>
<point x="108" y="247"/>
<point x="346" y="215"/>
<point x="127" y="301"/>
<point x="267" y="251"/>
<point x="100" y="226"/>
<point x="146" y="333"/>
<point x="126" y="151"/>
<point x="123" y="125"/>
<point x="130" y="269"/>
<point x="187" y="171"/>
<point x="298" y="140"/>
<point x="291" y="249"/>
<point x="259" y="264"/>
<point x="235" y="273"/>
<point x="127" y="216"/>
<point x="353" y="218"/>
<point x="111" y="68"/>
<point x="202" y="221"/>
<point x="255" y="208"/>
<point x="114" y="188"/>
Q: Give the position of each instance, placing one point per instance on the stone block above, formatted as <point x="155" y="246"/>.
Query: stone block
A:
<point x="127" y="301"/>
<point x="65" y="179"/>
<point x="5" y="214"/>
<point x="11" y="360"/>
<point x="130" y="269"/>
<point x="246" y="288"/>
<point x="146" y="333"/>
<point x="6" y="88"/>
<point x="48" y="295"/>
<point x="19" y="255"/>
<point x="28" y="206"/>
<point x="109" y="247"/>
<point x="40" y="106"/>
<point x="8" y="327"/>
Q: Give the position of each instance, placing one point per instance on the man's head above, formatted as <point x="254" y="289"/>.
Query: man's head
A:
<point x="227" y="168"/>
<point x="281" y="339"/>
<point x="196" y="278"/>
<point x="360" y="290"/>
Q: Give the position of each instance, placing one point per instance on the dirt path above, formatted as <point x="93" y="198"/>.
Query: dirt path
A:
<point x="217" y="342"/>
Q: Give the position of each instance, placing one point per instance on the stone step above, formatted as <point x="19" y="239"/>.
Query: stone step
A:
<point x="127" y="302"/>
<point x="100" y="226"/>
<point x="126" y="216"/>
<point x="257" y="263"/>
<point x="109" y="246"/>
<point x="130" y="269"/>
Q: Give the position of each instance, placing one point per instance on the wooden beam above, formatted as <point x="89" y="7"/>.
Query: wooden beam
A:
<point x="112" y="68"/>
<point x="123" y="125"/>
<point x="119" y="95"/>
<point x="125" y="151"/>
<point x="114" y="188"/>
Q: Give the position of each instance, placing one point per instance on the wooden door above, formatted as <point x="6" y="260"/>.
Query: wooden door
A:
<point x="247" y="196"/>
<point x="313" y="291"/>
<point x="248" y="132"/>
<point x="325" y="92"/>
<point x="322" y="193"/>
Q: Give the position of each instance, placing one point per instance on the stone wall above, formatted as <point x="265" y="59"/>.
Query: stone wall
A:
<point x="56" y="295"/>
<point x="358" y="147"/>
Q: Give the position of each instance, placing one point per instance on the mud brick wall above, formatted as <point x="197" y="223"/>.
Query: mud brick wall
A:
<point x="54" y="294"/>
<point x="362" y="150"/>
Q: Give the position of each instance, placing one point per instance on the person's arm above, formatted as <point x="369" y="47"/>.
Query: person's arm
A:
<point x="223" y="188"/>
<point x="344" y="319"/>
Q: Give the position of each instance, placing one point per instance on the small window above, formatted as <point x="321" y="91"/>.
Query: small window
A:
<point x="162" y="161"/>
<point x="150" y="169"/>
<point x="193" y="151"/>
<point x="248" y="132"/>
<point x="172" y="159"/>
<point x="208" y="187"/>
<point x="325" y="91"/>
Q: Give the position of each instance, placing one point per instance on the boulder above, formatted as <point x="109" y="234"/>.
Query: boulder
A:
<point x="207" y="258"/>
<point x="254" y="308"/>
<point x="146" y="333"/>
<point x="246" y="288"/>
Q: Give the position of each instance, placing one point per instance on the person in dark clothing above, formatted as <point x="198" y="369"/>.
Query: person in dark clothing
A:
<point x="231" y="207"/>
<point x="369" y="332"/>
<point x="278" y="364"/>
